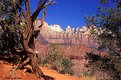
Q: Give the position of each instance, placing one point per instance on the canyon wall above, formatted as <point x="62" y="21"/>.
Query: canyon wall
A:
<point x="55" y="34"/>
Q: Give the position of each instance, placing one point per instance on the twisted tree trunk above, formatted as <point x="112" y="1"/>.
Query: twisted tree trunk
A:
<point x="27" y="32"/>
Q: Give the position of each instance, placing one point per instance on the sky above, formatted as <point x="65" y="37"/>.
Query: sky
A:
<point x="69" y="12"/>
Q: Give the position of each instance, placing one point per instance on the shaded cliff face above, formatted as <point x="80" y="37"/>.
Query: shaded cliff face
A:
<point x="69" y="36"/>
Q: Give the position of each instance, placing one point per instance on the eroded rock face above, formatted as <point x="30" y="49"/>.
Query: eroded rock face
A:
<point x="56" y="28"/>
<point x="69" y="30"/>
<point x="55" y="34"/>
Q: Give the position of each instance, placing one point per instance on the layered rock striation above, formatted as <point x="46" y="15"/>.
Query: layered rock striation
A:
<point x="55" y="34"/>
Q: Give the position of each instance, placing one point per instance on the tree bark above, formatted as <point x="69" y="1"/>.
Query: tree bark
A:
<point x="35" y="67"/>
<point x="28" y="36"/>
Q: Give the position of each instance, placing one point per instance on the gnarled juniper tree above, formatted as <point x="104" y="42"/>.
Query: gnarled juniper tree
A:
<point x="18" y="33"/>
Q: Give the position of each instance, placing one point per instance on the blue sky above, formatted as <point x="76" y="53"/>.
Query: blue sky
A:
<point x="69" y="12"/>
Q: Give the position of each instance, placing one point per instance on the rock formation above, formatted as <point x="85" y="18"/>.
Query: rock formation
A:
<point x="55" y="34"/>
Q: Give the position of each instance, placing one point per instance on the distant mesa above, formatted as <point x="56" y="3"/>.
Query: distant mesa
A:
<point x="55" y="34"/>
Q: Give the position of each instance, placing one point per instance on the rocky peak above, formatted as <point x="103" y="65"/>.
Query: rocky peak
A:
<point x="55" y="34"/>
<point x="69" y="29"/>
<point x="73" y="29"/>
<point x="78" y="29"/>
<point x="83" y="29"/>
<point x="56" y="28"/>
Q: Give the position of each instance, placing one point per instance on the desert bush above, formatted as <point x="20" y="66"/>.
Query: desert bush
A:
<point x="67" y="66"/>
<point x="107" y="64"/>
<point x="55" y="60"/>
<point x="86" y="74"/>
<point x="109" y="20"/>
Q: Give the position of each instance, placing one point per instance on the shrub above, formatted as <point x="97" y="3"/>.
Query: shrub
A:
<point x="55" y="60"/>
<point x="108" y="64"/>
<point x="67" y="66"/>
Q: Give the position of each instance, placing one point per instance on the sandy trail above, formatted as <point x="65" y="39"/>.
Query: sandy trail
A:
<point x="6" y="71"/>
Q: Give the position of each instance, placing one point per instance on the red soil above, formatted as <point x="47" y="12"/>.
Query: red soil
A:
<point x="7" y="73"/>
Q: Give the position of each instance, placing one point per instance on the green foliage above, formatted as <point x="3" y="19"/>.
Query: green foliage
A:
<point x="86" y="74"/>
<point x="10" y="39"/>
<point x="109" y="19"/>
<point x="111" y="65"/>
<point x="10" y="31"/>
<point x="55" y="60"/>
<point x="90" y="20"/>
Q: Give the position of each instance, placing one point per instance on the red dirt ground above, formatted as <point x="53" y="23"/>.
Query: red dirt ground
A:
<point x="7" y="73"/>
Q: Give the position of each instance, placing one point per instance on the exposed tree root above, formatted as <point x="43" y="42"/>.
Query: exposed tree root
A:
<point x="30" y="64"/>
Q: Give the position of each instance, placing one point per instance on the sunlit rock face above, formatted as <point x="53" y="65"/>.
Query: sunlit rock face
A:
<point x="56" y="28"/>
<point x="69" y="30"/>
<point x="55" y="34"/>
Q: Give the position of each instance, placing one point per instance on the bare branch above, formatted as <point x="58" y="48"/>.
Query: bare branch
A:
<point x="37" y="30"/>
<point x="40" y="7"/>
<point x="39" y="3"/>
<point x="48" y="3"/>
<point x="43" y="16"/>
<point x="27" y="5"/>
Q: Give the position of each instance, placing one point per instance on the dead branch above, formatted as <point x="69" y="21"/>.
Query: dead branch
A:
<point x="40" y="7"/>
